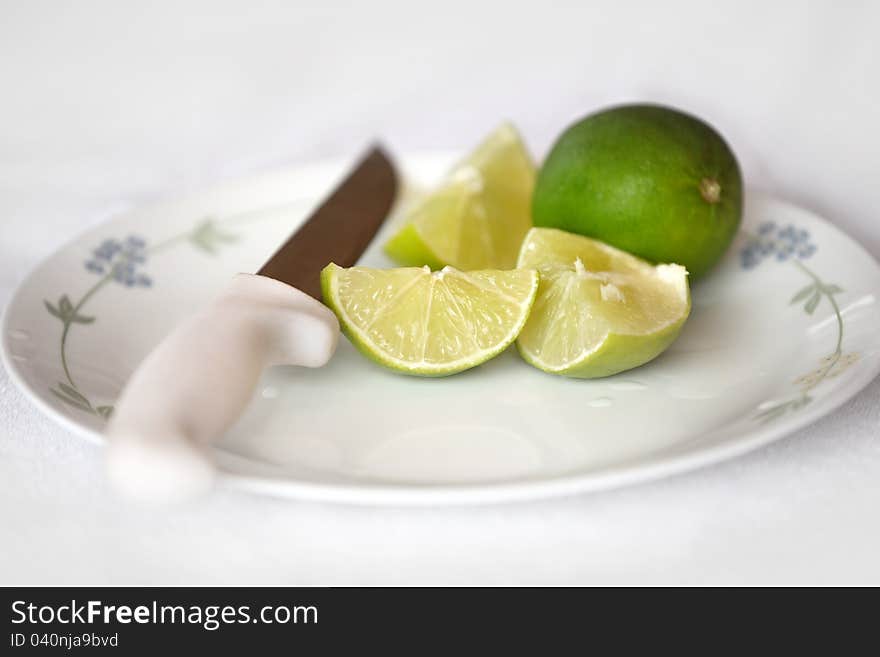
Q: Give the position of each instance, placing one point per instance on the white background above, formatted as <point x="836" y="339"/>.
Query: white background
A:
<point x="109" y="104"/>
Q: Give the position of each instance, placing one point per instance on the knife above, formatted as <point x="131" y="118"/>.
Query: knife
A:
<point x="200" y="378"/>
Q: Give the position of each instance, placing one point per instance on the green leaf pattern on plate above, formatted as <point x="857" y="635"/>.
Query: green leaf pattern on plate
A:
<point x="790" y="244"/>
<point x="117" y="260"/>
<point x="209" y="238"/>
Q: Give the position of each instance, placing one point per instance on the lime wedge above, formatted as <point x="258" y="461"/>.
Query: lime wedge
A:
<point x="425" y="323"/>
<point x="599" y="310"/>
<point x="479" y="215"/>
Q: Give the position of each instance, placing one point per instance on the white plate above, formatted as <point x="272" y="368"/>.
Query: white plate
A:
<point x="783" y="332"/>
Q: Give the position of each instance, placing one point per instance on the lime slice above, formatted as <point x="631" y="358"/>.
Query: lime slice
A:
<point x="426" y="323"/>
<point x="479" y="215"/>
<point x="599" y="310"/>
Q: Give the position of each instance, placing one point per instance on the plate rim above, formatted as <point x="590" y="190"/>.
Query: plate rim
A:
<point x="628" y="473"/>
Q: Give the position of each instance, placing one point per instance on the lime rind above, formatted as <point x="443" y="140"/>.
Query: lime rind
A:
<point x="616" y="353"/>
<point x="368" y="346"/>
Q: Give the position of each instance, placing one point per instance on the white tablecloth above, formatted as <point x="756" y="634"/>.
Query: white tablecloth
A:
<point x="110" y="104"/>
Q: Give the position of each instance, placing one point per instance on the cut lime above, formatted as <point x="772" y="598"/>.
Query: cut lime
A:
<point x="599" y="310"/>
<point x="479" y="215"/>
<point x="425" y="323"/>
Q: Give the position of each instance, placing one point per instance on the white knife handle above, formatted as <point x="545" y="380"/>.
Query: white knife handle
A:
<point x="196" y="383"/>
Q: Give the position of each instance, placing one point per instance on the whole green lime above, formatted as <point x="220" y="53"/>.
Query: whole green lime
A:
<point x="647" y="179"/>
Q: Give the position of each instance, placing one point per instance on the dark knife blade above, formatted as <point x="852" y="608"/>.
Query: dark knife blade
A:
<point x="340" y="229"/>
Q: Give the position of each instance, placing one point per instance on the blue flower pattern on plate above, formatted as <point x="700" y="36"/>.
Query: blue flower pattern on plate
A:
<point x="778" y="242"/>
<point x="120" y="259"/>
